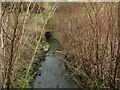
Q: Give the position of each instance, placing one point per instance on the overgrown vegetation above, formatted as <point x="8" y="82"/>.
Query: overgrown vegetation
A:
<point x="89" y="34"/>
<point x="22" y="31"/>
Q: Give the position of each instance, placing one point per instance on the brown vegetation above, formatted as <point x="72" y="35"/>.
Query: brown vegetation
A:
<point x="22" y="31"/>
<point x="89" y="32"/>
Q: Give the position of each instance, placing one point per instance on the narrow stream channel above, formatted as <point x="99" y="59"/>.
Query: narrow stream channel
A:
<point x="53" y="72"/>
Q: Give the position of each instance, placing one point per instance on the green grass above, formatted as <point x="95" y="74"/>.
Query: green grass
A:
<point x="23" y="84"/>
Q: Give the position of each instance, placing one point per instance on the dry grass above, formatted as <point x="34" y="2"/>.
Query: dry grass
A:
<point x="89" y="32"/>
<point x="22" y="31"/>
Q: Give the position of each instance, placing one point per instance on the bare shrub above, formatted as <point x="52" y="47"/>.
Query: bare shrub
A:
<point x="22" y="30"/>
<point x="89" y="32"/>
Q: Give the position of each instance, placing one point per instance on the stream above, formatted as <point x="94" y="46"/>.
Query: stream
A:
<point x="53" y="73"/>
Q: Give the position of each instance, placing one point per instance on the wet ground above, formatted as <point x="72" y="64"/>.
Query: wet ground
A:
<point x="53" y="73"/>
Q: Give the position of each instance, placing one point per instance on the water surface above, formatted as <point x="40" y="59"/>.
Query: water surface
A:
<point x="53" y="72"/>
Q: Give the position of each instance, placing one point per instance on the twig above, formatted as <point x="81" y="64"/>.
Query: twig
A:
<point x="37" y="44"/>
